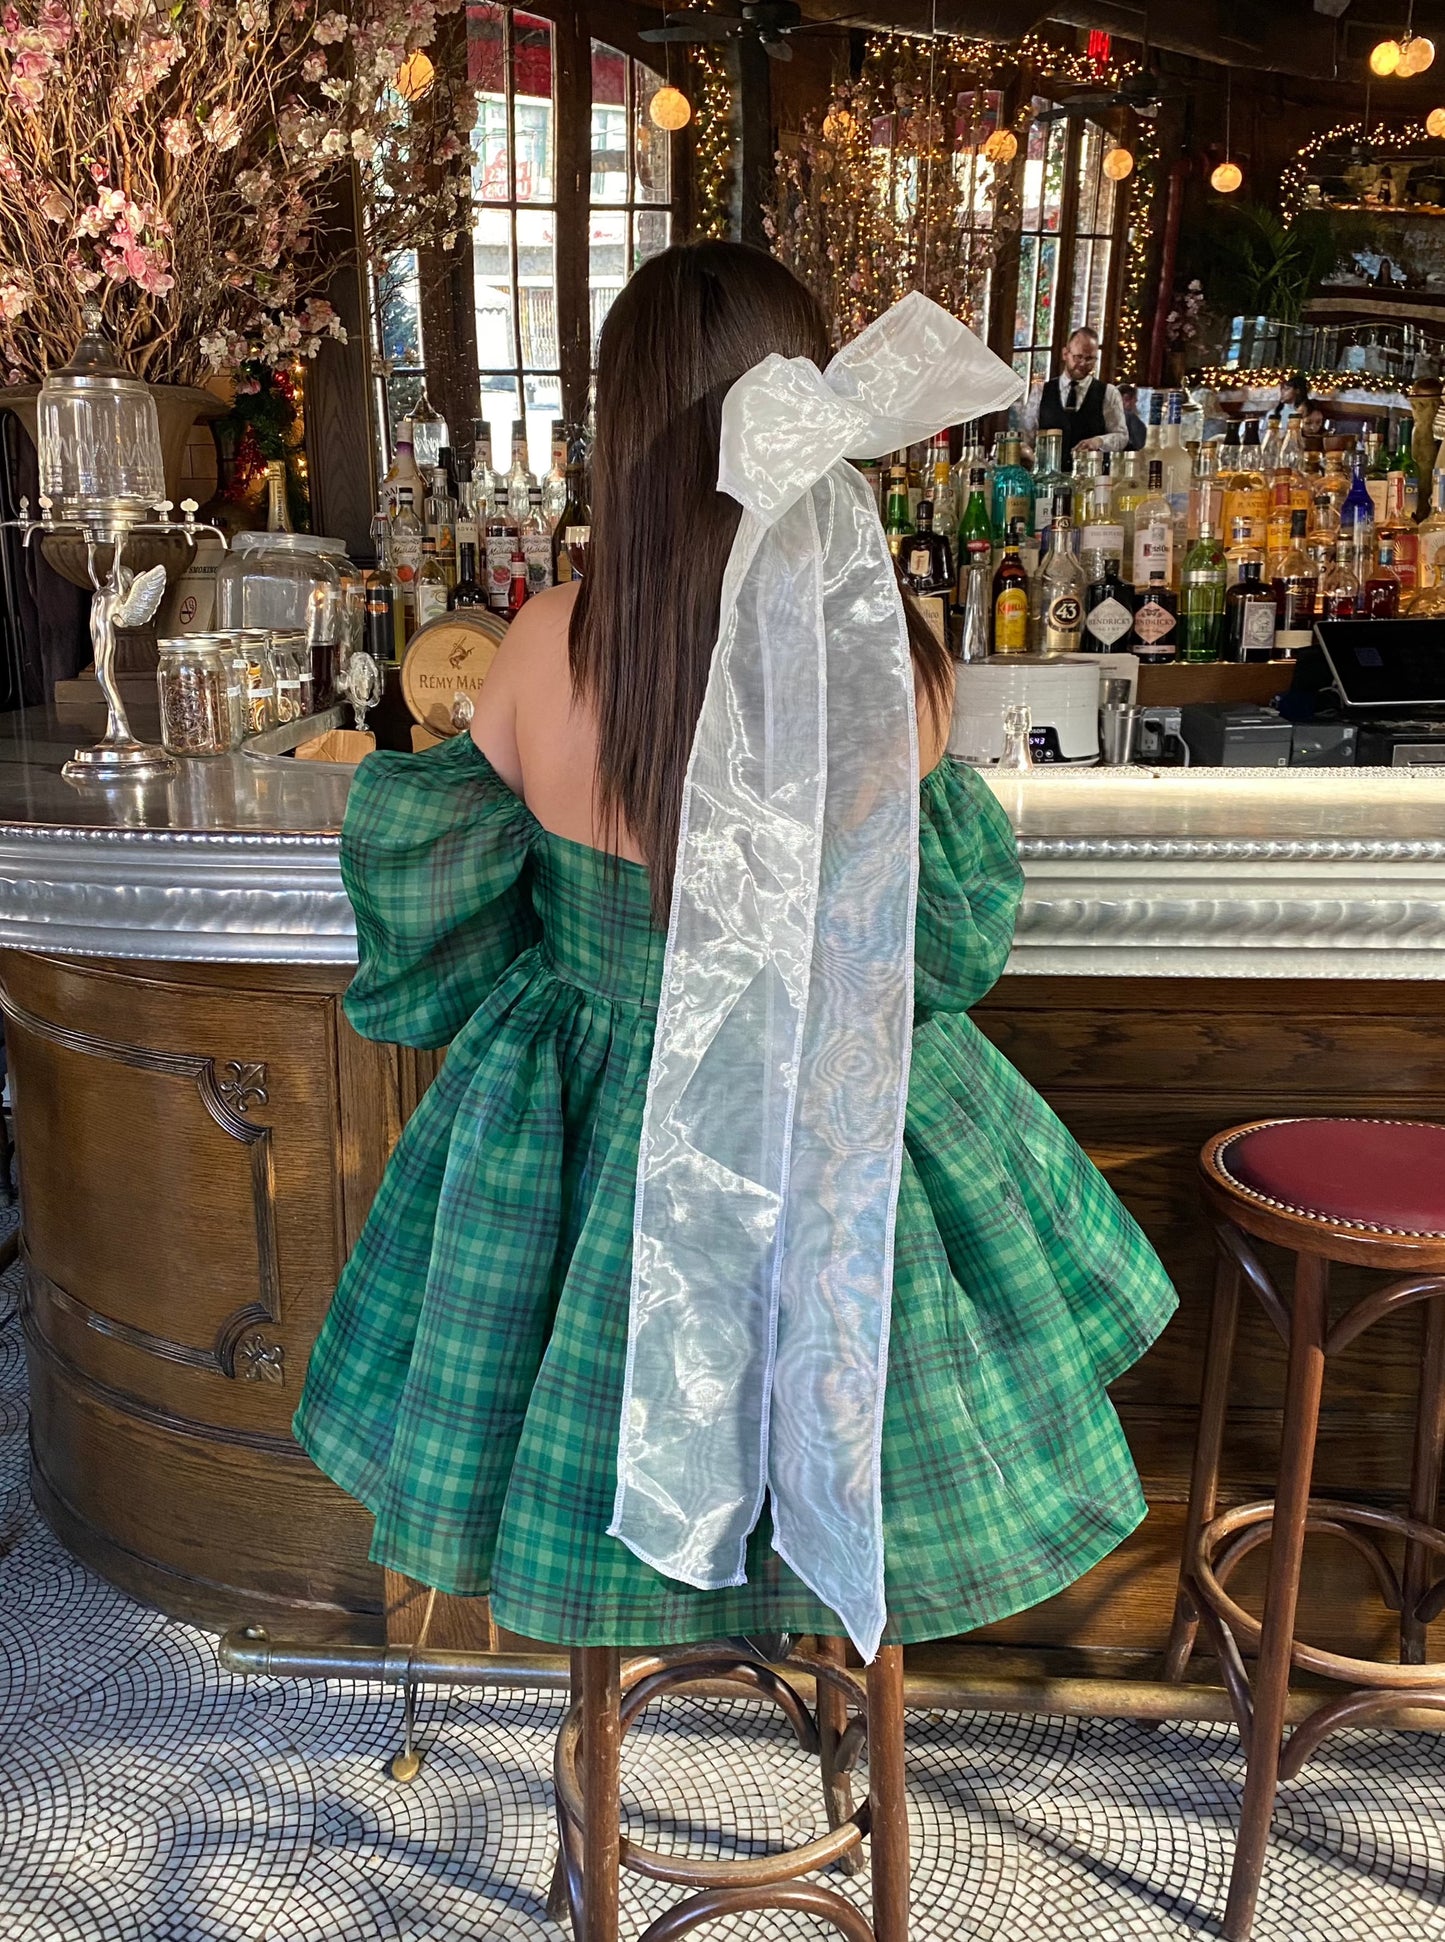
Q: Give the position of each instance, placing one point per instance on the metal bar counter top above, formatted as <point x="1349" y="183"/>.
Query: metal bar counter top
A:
<point x="201" y="1134"/>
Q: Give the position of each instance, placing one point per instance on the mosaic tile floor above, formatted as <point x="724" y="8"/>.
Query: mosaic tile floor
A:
<point x="146" y="1796"/>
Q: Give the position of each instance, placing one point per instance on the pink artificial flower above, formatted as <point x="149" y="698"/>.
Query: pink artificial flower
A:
<point x="313" y="67"/>
<point x="330" y="27"/>
<point x="179" y="137"/>
<point x="222" y="128"/>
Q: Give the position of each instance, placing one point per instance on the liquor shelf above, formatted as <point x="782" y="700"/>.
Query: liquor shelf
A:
<point x="200" y="1133"/>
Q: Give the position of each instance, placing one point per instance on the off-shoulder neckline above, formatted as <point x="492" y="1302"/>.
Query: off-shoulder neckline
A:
<point x="610" y="856"/>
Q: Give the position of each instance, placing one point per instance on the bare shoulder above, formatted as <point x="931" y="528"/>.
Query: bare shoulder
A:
<point x="530" y="676"/>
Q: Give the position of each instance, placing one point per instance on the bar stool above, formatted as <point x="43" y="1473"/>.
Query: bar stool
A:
<point x="608" y="1696"/>
<point x="1370" y="1193"/>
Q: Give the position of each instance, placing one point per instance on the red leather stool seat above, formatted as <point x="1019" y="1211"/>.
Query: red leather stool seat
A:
<point x="1367" y="1172"/>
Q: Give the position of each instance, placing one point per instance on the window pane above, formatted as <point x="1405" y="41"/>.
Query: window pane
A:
<point x="653" y="145"/>
<point x="1028" y="273"/>
<point x="492" y="250"/>
<point x="607" y="265"/>
<point x="1044" y="297"/>
<point x="501" y="407"/>
<point x="537" y="288"/>
<point x="652" y="234"/>
<point x="398" y="302"/>
<point x="533" y="110"/>
<point x="487" y="72"/>
<point x="609" y="124"/>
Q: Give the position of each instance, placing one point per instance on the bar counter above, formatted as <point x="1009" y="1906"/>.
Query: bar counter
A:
<point x="200" y="1135"/>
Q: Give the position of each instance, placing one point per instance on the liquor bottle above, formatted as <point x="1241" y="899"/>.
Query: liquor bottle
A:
<point x="431" y="583"/>
<point x="466" y="520"/>
<point x="976" y="600"/>
<point x="1201" y="599"/>
<point x="402" y="473"/>
<point x="517" y="590"/>
<point x="1155" y="620"/>
<point x="554" y="486"/>
<point x="1204" y="495"/>
<point x="1246" y="490"/>
<point x="468" y="591"/>
<point x="1049" y="477"/>
<point x="1322" y="532"/>
<point x="1011" y="598"/>
<point x="1058" y="590"/>
<point x="940" y="488"/>
<point x="484" y="485"/>
<point x="1407" y="469"/>
<point x="1377" y="472"/>
<point x="1153" y="532"/>
<point x="1240" y="552"/>
<point x="1357" y="514"/>
<point x="278" y="511"/>
<point x="974" y="522"/>
<point x="406" y="544"/>
<point x="536" y="543"/>
<point x="1295" y="586"/>
<point x="1278" y="526"/>
<point x="1101" y="530"/>
<point x="1013" y="491"/>
<point x="1175" y="460"/>
<point x="381" y="628"/>
<point x="1130" y="491"/>
<point x="1108" y="605"/>
<point x="896" y="521"/>
<point x="1430" y="539"/>
<point x="519" y="479"/>
<point x="927" y="557"/>
<point x="502" y="537"/>
<point x="1337" y="476"/>
<point x="1154" y="428"/>
<point x="1402" y="530"/>
<point x="1380" y="594"/>
<point x="1250" y="616"/>
<point x="441" y="513"/>
<point x="576" y="516"/>
<point x="1339" y="597"/>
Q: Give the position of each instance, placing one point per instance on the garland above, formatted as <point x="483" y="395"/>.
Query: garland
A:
<point x="713" y="149"/>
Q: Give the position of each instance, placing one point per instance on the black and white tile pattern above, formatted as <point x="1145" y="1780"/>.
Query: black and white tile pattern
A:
<point x="146" y="1796"/>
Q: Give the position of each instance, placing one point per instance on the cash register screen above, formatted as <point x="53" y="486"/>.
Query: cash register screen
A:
<point x="1394" y="664"/>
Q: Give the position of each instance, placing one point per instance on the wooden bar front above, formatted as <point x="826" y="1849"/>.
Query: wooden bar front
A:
<point x="199" y="1147"/>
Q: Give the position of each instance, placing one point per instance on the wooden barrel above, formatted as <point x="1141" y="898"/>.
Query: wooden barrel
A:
<point x="445" y="664"/>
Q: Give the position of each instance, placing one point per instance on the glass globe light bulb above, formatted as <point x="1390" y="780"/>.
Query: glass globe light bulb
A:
<point x="1118" y="164"/>
<point x="1385" y="57"/>
<point x="669" y="109"/>
<point x="1435" y="122"/>
<point x="414" y="76"/>
<point x="1416" y="55"/>
<point x="1227" y="178"/>
<point x="1002" y="146"/>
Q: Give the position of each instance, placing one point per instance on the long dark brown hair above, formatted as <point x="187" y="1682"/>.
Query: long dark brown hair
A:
<point x="681" y="332"/>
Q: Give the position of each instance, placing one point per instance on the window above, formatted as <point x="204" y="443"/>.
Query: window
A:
<point x="545" y="264"/>
<point x="630" y="202"/>
<point x="512" y="63"/>
<point x="1093" y="232"/>
<point x="1040" y="243"/>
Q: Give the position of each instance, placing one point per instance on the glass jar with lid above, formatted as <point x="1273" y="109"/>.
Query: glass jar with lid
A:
<point x="195" y="681"/>
<point x="291" y="668"/>
<point x="254" y="678"/>
<point x="289" y="582"/>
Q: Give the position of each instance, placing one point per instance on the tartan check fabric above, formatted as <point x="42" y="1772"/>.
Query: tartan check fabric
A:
<point x="467" y="1383"/>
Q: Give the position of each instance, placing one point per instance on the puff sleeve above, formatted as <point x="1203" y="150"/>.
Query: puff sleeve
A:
<point x="969" y="886"/>
<point x="433" y="853"/>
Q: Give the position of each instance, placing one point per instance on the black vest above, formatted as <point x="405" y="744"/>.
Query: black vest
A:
<point x="1086" y="422"/>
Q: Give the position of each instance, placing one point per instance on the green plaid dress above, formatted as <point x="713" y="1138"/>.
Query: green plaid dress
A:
<point x="467" y="1384"/>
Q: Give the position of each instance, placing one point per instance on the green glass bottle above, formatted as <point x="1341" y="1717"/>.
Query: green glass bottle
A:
<point x="1409" y="471"/>
<point x="974" y="521"/>
<point x="897" y="520"/>
<point x="1201" y="598"/>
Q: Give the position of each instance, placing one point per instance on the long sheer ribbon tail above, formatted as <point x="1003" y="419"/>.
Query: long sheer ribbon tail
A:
<point x="772" y="1134"/>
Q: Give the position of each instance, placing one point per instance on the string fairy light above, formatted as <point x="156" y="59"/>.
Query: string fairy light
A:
<point x="713" y="147"/>
<point x="1379" y="141"/>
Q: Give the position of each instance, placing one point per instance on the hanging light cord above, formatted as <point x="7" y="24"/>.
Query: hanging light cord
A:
<point x="928" y="159"/>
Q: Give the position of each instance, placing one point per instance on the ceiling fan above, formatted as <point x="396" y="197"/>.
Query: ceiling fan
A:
<point x="767" y="21"/>
<point x="1143" y="92"/>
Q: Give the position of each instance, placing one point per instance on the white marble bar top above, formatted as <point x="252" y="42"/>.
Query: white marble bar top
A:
<point x="1228" y="873"/>
<point x="1331" y="873"/>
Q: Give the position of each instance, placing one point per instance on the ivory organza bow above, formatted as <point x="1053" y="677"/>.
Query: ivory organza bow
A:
<point x="772" y="1135"/>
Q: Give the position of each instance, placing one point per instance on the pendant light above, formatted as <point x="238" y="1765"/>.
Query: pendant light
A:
<point x="1119" y="164"/>
<point x="1228" y="176"/>
<point x="1411" y="54"/>
<point x="669" y="109"/>
<point x="1435" y="122"/>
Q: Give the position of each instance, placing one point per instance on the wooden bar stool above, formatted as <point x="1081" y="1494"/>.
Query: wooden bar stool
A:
<point x="608" y="1696"/>
<point x="1371" y="1193"/>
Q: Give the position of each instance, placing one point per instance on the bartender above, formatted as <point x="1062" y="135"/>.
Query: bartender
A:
<point x="1087" y="411"/>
